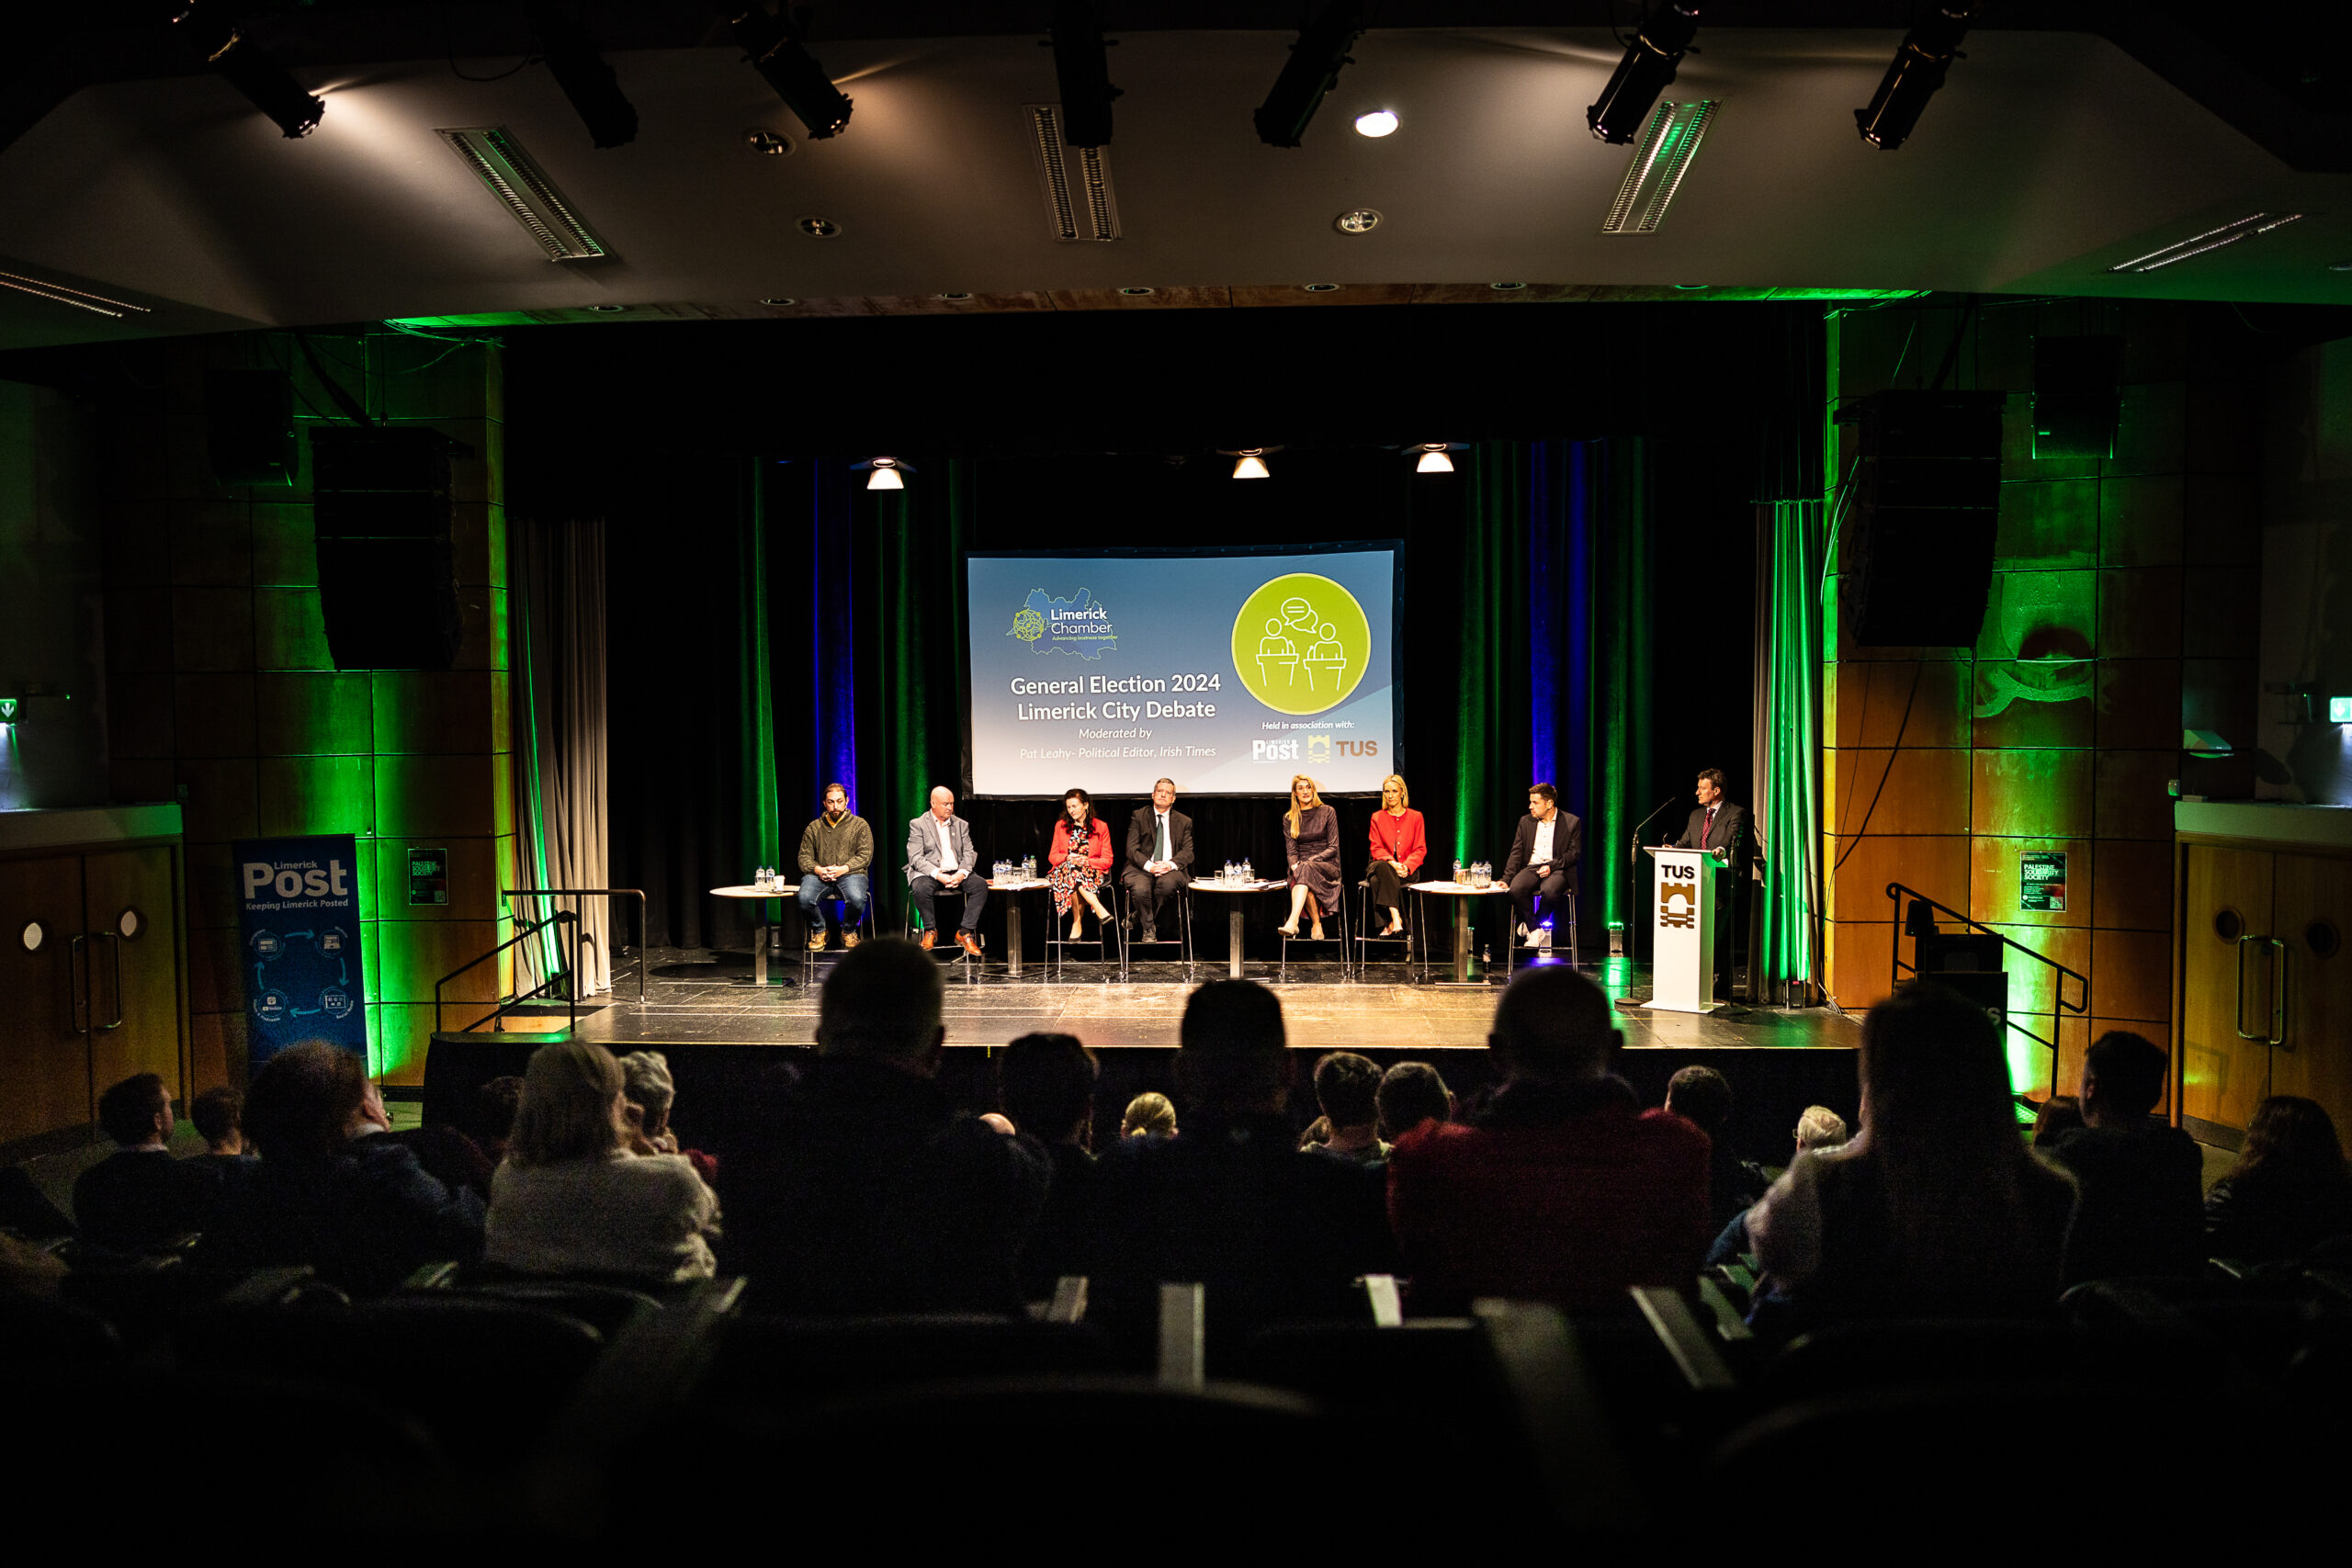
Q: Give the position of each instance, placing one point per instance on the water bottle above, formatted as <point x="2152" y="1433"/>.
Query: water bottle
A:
<point x="1460" y="873"/>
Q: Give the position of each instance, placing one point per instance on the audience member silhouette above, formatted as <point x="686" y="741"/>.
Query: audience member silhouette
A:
<point x="2287" y="1193"/>
<point x="1231" y="1204"/>
<point x="2142" y="1204"/>
<point x="1703" y="1097"/>
<point x="872" y="1193"/>
<point x="219" y="1114"/>
<point x="1045" y="1088"/>
<point x="1149" y="1115"/>
<point x="328" y="1192"/>
<point x="572" y="1197"/>
<point x="488" y="1117"/>
<point x="1559" y="1187"/>
<point x="1936" y="1208"/>
<point x="1818" y="1127"/>
<point x="1411" y="1093"/>
<point x="140" y="1196"/>
<point x="1347" y="1086"/>
<point x="653" y="1095"/>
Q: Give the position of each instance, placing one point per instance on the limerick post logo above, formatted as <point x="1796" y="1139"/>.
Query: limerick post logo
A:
<point x="1078" y="625"/>
<point x="1300" y="644"/>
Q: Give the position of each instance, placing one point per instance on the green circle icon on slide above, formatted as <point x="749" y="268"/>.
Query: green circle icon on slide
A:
<point x="1300" y="644"/>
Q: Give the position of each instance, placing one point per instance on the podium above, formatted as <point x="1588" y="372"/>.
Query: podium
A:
<point x="1682" y="929"/>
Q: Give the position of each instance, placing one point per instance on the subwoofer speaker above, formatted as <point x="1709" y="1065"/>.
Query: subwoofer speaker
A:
<point x="388" y="581"/>
<point x="1916" y="548"/>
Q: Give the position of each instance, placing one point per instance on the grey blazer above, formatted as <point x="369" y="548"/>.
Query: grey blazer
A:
<point x="922" y="846"/>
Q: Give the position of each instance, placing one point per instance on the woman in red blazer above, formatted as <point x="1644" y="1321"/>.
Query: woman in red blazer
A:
<point x="1081" y="857"/>
<point x="1399" y="847"/>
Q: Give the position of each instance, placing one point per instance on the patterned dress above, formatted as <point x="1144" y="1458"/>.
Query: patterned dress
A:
<point x="1070" y="872"/>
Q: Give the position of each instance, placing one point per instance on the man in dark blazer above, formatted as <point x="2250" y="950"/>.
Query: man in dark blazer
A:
<point x="1544" y="853"/>
<point x="1159" y="859"/>
<point x="1719" y="825"/>
<point x="140" y="1196"/>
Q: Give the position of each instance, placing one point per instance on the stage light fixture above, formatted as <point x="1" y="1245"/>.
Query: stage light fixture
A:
<point x="262" y="80"/>
<point x="1378" y="123"/>
<point x="1920" y="62"/>
<point x="1082" y="72"/>
<point x="773" y="45"/>
<point x="1432" y="459"/>
<point x="1646" y="71"/>
<point x="573" y="60"/>
<point x="1250" y="463"/>
<point x="1668" y="144"/>
<point x="1313" y="68"/>
<point x="885" y="472"/>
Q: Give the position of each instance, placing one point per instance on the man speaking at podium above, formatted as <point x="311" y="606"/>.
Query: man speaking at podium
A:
<point x="1720" y="828"/>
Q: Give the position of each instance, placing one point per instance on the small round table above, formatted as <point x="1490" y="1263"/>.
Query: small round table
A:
<point x="763" y="934"/>
<point x="1461" y="893"/>
<point x="1232" y="927"/>
<point x="1015" y="884"/>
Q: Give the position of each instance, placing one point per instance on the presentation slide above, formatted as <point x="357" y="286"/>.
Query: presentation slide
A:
<point x="1228" y="673"/>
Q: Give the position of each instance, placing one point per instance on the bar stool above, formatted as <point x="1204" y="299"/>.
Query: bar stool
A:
<point x="865" y="928"/>
<point x="1184" y="940"/>
<point x="1341" y="915"/>
<point x="1364" y="937"/>
<point x="1057" y="944"/>
<point x="911" y="921"/>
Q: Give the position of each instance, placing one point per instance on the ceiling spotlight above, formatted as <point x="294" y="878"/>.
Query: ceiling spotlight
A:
<point x="885" y="472"/>
<point x="1645" y="72"/>
<point x="1920" y="62"/>
<point x="1250" y="463"/>
<point x="1082" y="72"/>
<point x="1314" y="62"/>
<point x="773" y="46"/>
<point x="580" y="71"/>
<point x="1432" y="459"/>
<point x="1362" y="221"/>
<point x="261" y="79"/>
<point x="1379" y="122"/>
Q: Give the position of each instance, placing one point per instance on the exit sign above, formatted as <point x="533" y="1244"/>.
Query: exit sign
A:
<point x="2340" y="710"/>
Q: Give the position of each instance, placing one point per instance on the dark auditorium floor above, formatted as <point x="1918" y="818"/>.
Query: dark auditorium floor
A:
<point x="694" y="995"/>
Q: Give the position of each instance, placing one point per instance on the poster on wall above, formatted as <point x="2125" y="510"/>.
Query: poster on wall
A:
<point x="298" y="913"/>
<point x="2041" y="881"/>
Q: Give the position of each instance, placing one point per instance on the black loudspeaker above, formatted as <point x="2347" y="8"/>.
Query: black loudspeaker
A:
<point x="1917" y="545"/>
<point x="387" y="580"/>
<point x="249" y="427"/>
<point x="2076" y="396"/>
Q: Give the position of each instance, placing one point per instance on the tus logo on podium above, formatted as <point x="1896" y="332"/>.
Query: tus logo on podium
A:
<point x="1678" y="902"/>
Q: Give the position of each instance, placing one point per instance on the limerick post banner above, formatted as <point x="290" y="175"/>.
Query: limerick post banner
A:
<point x="298" y="911"/>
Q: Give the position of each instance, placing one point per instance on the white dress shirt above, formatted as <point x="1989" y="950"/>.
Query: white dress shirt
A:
<point x="946" y="844"/>
<point x="1542" y="853"/>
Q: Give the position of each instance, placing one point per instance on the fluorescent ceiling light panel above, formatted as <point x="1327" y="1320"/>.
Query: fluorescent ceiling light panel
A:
<point x="499" y="162"/>
<point x="1080" y="204"/>
<point x="2212" y="239"/>
<point x="1660" y="160"/>
<point x="80" y="299"/>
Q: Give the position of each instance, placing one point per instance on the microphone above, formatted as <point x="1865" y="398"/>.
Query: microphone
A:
<point x="1634" y="854"/>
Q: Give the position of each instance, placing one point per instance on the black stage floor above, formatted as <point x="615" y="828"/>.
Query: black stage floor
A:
<point x="702" y="998"/>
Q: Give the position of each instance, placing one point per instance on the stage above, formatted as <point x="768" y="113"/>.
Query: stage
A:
<point x="695" y="995"/>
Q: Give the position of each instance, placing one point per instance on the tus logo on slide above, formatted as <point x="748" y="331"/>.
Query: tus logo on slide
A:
<point x="1300" y="644"/>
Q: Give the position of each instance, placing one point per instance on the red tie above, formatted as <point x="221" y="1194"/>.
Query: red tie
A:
<point x="1709" y="830"/>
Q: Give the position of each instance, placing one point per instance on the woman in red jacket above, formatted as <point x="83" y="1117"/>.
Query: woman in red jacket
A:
<point x="1399" y="847"/>
<point x="1081" y="857"/>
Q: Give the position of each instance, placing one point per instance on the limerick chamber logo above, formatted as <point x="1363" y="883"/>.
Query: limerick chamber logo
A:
<point x="1300" y="644"/>
<point x="1078" y="625"/>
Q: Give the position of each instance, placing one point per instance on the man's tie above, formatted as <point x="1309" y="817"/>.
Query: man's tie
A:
<point x="1161" y="853"/>
<point x="1709" y="830"/>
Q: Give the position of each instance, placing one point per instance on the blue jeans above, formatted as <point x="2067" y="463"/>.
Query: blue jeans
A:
<point x="850" y="889"/>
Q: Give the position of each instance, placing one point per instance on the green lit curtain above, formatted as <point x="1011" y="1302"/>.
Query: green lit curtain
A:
<point x="908" y="579"/>
<point x="762" y="831"/>
<point x="1789" y="720"/>
<point x="1489" y="696"/>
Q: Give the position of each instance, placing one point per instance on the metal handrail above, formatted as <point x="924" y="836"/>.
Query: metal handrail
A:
<point x="644" y="960"/>
<point x="561" y="918"/>
<point x="2059" y="1004"/>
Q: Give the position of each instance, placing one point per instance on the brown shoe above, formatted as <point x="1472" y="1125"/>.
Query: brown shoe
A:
<point x="929" y="938"/>
<point x="849" y="938"/>
<point x="968" y="943"/>
<point x="817" y="941"/>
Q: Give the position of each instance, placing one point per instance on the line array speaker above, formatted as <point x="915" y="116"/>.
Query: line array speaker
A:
<point x="1918" y="548"/>
<point x="388" y="581"/>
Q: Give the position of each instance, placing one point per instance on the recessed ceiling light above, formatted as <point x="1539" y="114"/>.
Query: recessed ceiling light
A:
<point x="608" y="310"/>
<point x="1379" y="122"/>
<point x="1505" y="287"/>
<point x="1137" y="292"/>
<point x="819" y="228"/>
<point x="1359" y="220"/>
<point x="773" y="144"/>
<point x="780" y="299"/>
<point x="2245" y="227"/>
<point x="958" y="297"/>
<point x="1694" y="285"/>
<point x="511" y="175"/>
<point x="1319" y="287"/>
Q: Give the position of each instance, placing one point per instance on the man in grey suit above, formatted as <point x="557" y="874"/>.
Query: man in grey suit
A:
<point x="940" y="859"/>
